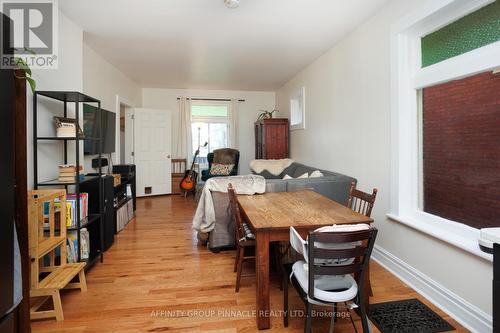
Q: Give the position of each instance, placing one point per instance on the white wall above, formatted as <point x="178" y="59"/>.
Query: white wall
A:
<point x="166" y="99"/>
<point x="104" y="81"/>
<point x="80" y="69"/>
<point x="68" y="76"/>
<point x="348" y="131"/>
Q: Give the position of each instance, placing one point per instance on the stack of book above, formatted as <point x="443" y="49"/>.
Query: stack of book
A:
<point x="66" y="128"/>
<point x="67" y="173"/>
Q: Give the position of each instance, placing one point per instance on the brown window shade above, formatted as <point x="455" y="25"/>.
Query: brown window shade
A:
<point x="461" y="150"/>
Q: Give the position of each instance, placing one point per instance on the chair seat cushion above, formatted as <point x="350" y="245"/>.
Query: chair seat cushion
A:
<point x="248" y="232"/>
<point x="329" y="289"/>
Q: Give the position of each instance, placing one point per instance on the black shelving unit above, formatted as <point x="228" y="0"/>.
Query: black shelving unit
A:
<point x="91" y="220"/>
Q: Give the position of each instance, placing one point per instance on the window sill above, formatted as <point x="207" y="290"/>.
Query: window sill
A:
<point x="468" y="244"/>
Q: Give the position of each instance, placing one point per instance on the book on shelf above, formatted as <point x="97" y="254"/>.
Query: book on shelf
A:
<point x="72" y="246"/>
<point x="72" y="200"/>
<point x="70" y="179"/>
<point x="69" y="168"/>
<point x="71" y="216"/>
<point x="68" y="172"/>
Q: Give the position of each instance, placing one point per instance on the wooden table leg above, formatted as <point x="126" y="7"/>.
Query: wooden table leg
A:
<point x="262" y="271"/>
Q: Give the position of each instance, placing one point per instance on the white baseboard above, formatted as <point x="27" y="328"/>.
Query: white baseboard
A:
<point x="468" y="315"/>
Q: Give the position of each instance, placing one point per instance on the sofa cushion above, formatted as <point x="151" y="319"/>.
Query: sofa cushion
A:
<point x="266" y="174"/>
<point x="316" y="174"/>
<point x="336" y="189"/>
<point x="275" y="185"/>
<point x="301" y="170"/>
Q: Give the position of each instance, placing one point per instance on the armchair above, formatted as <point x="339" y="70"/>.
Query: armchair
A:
<point x="222" y="156"/>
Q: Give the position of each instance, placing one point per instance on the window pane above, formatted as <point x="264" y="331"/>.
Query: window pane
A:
<point x="199" y="133"/>
<point x="218" y="136"/>
<point x="209" y="110"/>
<point x="473" y="31"/>
<point x="461" y="150"/>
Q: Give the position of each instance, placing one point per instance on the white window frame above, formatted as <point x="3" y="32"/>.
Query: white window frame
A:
<point x="407" y="77"/>
<point x="298" y="100"/>
<point x="213" y="119"/>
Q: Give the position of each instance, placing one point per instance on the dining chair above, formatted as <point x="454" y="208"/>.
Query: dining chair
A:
<point x="245" y="238"/>
<point x="360" y="201"/>
<point x="333" y="270"/>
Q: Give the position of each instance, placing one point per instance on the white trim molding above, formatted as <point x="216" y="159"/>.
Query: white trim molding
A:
<point x="407" y="77"/>
<point x="467" y="314"/>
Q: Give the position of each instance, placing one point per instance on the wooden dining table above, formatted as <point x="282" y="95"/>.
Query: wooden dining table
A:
<point x="271" y="215"/>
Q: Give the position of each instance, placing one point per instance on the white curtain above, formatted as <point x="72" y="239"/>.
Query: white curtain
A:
<point x="233" y="124"/>
<point x="184" y="137"/>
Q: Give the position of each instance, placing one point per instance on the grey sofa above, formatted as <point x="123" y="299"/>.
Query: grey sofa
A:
<point x="332" y="185"/>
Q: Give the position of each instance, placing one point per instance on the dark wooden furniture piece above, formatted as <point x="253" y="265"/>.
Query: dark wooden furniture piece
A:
<point x="270" y="216"/>
<point x="21" y="200"/>
<point x="271" y="138"/>
<point x="7" y="198"/>
<point x="243" y="243"/>
<point x="14" y="199"/>
<point x="360" y="201"/>
<point x="357" y="265"/>
<point x="179" y="166"/>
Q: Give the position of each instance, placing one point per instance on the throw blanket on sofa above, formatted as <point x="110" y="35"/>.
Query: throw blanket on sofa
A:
<point x="275" y="167"/>
<point x="204" y="218"/>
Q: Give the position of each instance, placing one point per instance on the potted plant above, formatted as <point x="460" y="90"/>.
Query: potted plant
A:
<point x="267" y="114"/>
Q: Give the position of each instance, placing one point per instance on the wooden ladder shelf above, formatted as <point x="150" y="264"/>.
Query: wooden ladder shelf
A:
<point x="47" y="235"/>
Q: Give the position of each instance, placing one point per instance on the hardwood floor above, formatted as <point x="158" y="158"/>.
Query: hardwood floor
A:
<point x="156" y="278"/>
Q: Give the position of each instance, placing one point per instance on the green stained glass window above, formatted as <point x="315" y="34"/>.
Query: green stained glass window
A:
<point x="209" y="110"/>
<point x="473" y="31"/>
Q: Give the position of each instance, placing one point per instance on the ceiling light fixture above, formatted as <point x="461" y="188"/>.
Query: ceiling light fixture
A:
<point x="232" y="3"/>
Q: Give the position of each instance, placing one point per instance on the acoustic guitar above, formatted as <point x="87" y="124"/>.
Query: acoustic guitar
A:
<point x="188" y="183"/>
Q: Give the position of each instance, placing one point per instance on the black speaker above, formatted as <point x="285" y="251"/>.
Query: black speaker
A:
<point x="127" y="171"/>
<point x="95" y="162"/>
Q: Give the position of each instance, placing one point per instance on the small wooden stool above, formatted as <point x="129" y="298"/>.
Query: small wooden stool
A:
<point x="44" y="206"/>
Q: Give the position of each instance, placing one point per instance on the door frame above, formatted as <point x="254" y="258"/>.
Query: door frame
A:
<point x="129" y="129"/>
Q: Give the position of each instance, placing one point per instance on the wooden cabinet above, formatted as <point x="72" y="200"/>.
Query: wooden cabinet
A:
<point x="271" y="138"/>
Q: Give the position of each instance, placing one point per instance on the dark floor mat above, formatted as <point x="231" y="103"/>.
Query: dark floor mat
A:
<point x="408" y="315"/>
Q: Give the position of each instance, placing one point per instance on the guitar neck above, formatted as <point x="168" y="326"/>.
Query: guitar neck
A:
<point x="194" y="159"/>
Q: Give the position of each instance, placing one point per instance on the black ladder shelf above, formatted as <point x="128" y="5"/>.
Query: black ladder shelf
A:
<point x="95" y="253"/>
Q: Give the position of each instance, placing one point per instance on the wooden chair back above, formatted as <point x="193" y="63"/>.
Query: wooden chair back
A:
<point x="360" y="201"/>
<point x="351" y="259"/>
<point x="235" y="211"/>
<point x="179" y="166"/>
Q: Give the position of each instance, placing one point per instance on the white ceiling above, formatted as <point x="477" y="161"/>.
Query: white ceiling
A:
<point x="202" y="44"/>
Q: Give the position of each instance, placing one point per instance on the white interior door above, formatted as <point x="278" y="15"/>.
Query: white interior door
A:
<point x="152" y="141"/>
<point x="129" y="136"/>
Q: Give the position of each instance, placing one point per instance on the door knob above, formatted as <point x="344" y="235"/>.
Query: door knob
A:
<point x="168" y="156"/>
